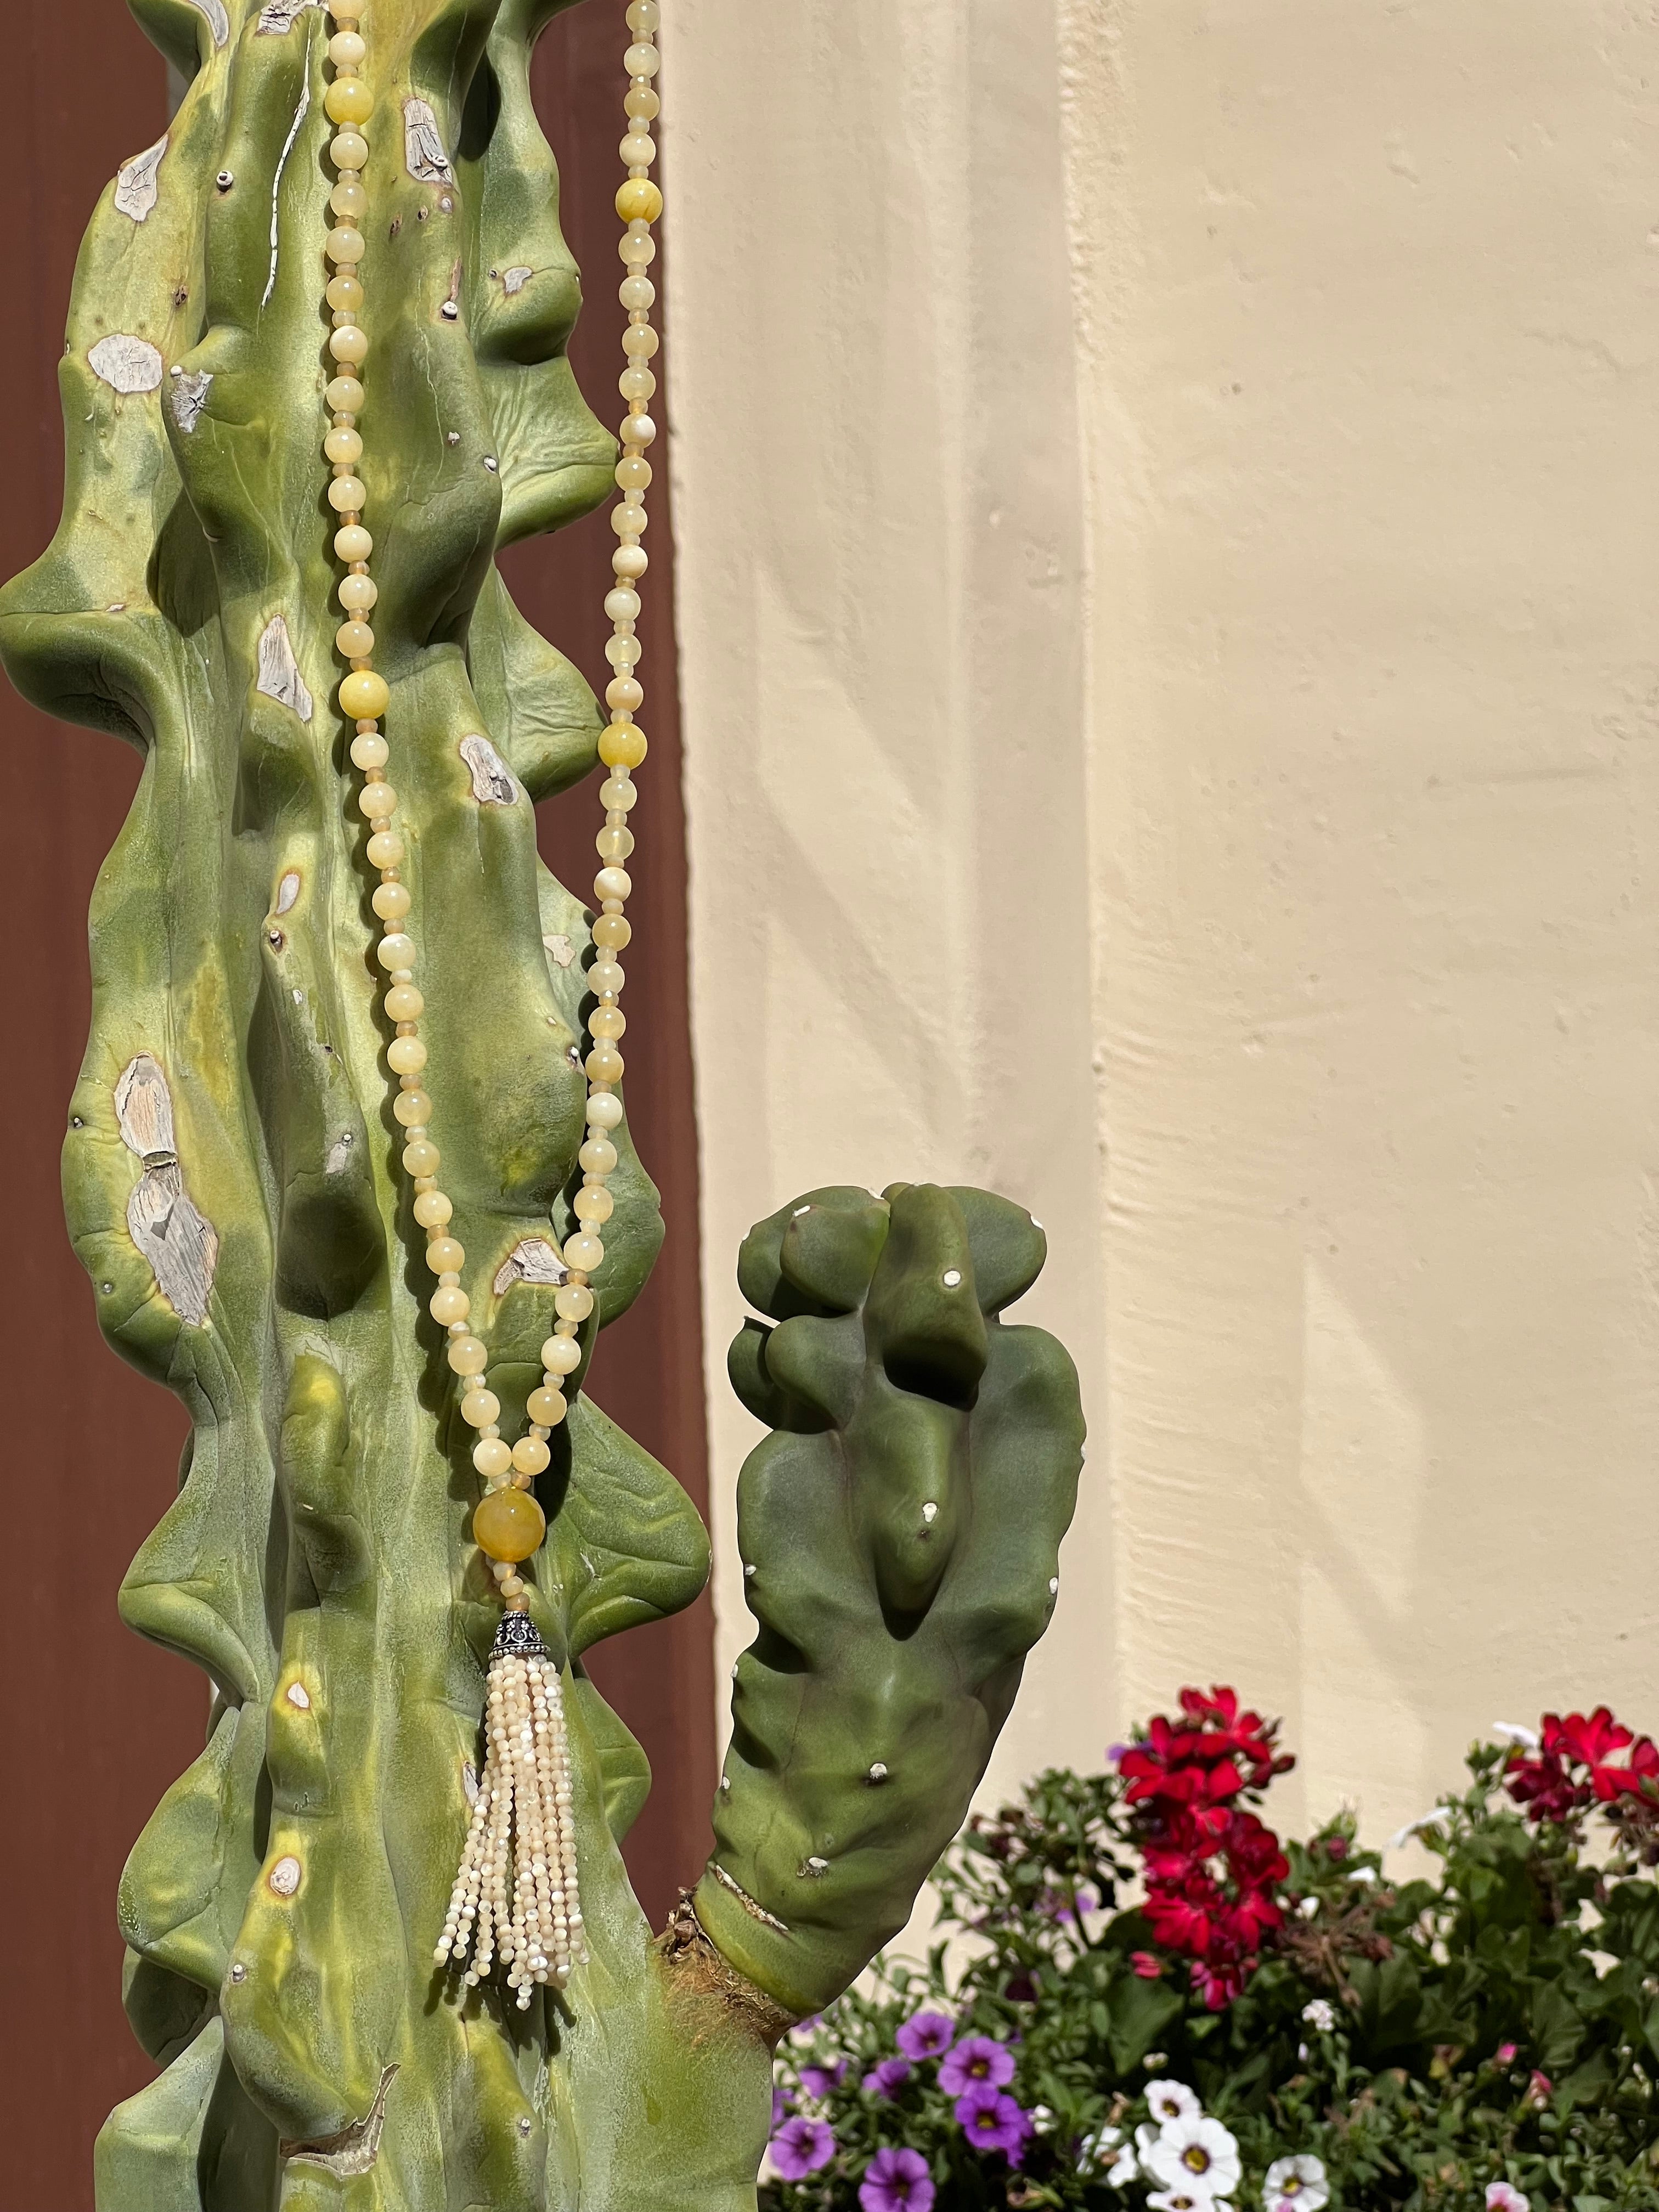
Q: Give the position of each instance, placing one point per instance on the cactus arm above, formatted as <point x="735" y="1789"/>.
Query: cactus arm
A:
<point x="901" y="1534"/>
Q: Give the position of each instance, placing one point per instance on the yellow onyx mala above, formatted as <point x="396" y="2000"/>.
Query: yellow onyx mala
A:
<point x="516" y="1894"/>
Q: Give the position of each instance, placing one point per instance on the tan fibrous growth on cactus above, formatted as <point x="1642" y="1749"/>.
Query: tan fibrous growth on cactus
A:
<point x="232" y="1185"/>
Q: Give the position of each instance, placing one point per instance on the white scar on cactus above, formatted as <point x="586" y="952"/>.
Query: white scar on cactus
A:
<point x="138" y="184"/>
<point x="178" y="1240"/>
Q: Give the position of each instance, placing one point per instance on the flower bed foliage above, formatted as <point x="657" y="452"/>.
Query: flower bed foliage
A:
<point x="1163" y="2004"/>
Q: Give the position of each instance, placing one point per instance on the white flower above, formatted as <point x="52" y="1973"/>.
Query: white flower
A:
<point x="1296" y="2184"/>
<point x="1525" y="1739"/>
<point x="1194" y="2155"/>
<point x="1500" y="2197"/>
<point x="1320" y="2012"/>
<point x="1042" y="2119"/>
<point x="1186" y="2200"/>
<point x="1172" y="2100"/>
<point x="1402" y="1837"/>
<point x="1106" y="2148"/>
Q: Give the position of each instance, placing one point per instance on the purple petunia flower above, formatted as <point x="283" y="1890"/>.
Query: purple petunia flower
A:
<point x="896" y="2181"/>
<point x="780" y="2110"/>
<point x="801" y="2146"/>
<point x="819" y="2080"/>
<point x="888" y="2076"/>
<point x="926" y="2036"/>
<point x="991" y="2121"/>
<point x="974" y="2059"/>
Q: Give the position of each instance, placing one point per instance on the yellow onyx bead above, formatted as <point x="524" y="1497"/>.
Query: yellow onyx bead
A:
<point x="365" y="698"/>
<point x="593" y="1203"/>
<point x="618" y="794"/>
<point x="405" y="1055"/>
<point x="344" y="446"/>
<point x="349" y="201"/>
<point x="375" y="798"/>
<point x="633" y="474"/>
<point x="358" y="593"/>
<point x="584" y="1251"/>
<point x="530" y="1453"/>
<point x="347" y="51"/>
<point x="350" y="150"/>
<point x="349" y="344"/>
<point x="344" y="246"/>
<point x="347" y="494"/>
<point x="391" y="901"/>
<point x="613" y="843"/>
<point x="353" y="641"/>
<point x="397" y="949"/>
<point x="348" y="99"/>
<point x="345" y="295"/>
<point x="433" y="1211"/>
<point x="561" y="1355"/>
<point x="414" y="1110"/>
<point x="573" y="1302"/>
<point x="384" y="849"/>
<point x="547" y="1408"/>
<point x="479" y="1408"/>
<point x="614" y="931"/>
<point x="608" y="1022"/>
<point x="445" y="1255"/>
<point x="612" y="883"/>
<point x="422" y="1157"/>
<point x="637" y="201"/>
<point x="466" y="1355"/>
<point x="403" y="1002"/>
<point x="508" y="1524"/>
<point x="604" y="1064"/>
<point x="597" y="1156"/>
<point x="345" y="396"/>
<point x="447" y="1305"/>
<point x="352" y="542"/>
<point x="603" y="1110"/>
<point x="370" y="749"/>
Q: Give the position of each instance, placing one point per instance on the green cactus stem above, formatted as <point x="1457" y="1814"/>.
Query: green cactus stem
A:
<point x="232" y="1186"/>
<point x="901" y="1537"/>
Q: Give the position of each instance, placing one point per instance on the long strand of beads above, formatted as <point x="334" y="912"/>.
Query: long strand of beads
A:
<point x="509" y="1524"/>
<point x="623" y="746"/>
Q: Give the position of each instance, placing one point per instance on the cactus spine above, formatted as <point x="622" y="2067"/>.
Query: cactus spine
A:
<point x="231" y="1181"/>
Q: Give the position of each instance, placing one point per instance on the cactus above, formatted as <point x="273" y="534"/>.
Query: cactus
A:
<point x="230" y="1181"/>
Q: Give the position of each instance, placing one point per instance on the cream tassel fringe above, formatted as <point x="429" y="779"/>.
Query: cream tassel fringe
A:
<point x="522" y="1843"/>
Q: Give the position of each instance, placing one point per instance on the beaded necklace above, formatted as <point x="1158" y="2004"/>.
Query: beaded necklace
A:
<point x="516" y="1894"/>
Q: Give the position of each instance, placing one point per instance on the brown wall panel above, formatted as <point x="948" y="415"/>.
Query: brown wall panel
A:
<point x="648" y="1373"/>
<point x="96" y="1723"/>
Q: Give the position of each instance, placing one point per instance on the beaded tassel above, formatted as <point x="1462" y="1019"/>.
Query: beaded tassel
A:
<point x="515" y="1896"/>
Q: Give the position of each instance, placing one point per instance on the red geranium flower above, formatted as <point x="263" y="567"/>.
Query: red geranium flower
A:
<point x="1211" y="1865"/>
<point x="1573" y="1768"/>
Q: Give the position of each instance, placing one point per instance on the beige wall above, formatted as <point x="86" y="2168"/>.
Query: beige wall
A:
<point x="1168" y="542"/>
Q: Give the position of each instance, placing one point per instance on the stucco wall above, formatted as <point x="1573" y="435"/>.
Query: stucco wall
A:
<point x="1167" y="560"/>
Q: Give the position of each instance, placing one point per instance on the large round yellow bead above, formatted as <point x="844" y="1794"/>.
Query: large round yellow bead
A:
<point x="364" y="695"/>
<point x="348" y="99"/>
<point x="639" y="201"/>
<point x="508" y="1524"/>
